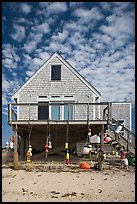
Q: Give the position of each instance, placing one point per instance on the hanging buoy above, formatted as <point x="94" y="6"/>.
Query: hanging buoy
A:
<point x="107" y="139"/>
<point x="46" y="146"/>
<point x="67" y="155"/>
<point x="28" y="153"/>
<point x="30" y="149"/>
<point x="90" y="147"/>
<point x="85" y="150"/>
<point x="50" y="145"/>
<point x="67" y="161"/>
<point x="28" y="159"/>
<point x="126" y="162"/>
<point x="89" y="132"/>
<point x="66" y="145"/>
<point x="104" y="156"/>
<point x="7" y="145"/>
<point x="11" y="145"/>
<point x="46" y="150"/>
<point x="12" y="138"/>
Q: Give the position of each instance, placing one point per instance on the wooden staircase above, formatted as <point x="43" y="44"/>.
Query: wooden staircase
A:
<point x="120" y="141"/>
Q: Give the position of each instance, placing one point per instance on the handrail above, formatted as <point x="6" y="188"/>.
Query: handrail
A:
<point x="105" y="112"/>
<point x="123" y="127"/>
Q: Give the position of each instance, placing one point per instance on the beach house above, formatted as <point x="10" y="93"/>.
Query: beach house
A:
<point x="58" y="104"/>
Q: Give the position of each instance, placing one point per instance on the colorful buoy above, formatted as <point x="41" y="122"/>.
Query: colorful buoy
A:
<point x="7" y="145"/>
<point x="50" y="145"/>
<point x="66" y="145"/>
<point x="84" y="165"/>
<point x="107" y="139"/>
<point x="85" y="150"/>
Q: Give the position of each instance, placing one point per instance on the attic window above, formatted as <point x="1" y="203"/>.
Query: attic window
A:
<point x="56" y="72"/>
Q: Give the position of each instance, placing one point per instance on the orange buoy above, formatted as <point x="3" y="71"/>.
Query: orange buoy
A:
<point x="84" y="165"/>
<point x="28" y="154"/>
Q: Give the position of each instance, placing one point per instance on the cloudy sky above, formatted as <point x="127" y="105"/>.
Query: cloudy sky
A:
<point x="96" y="38"/>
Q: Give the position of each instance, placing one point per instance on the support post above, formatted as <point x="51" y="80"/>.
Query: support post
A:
<point x="100" y="161"/>
<point x="22" y="153"/>
<point x="109" y="112"/>
<point x="9" y="113"/>
<point x="27" y="144"/>
<point x="15" y="154"/>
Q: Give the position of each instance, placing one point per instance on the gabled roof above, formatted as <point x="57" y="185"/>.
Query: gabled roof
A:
<point x="96" y="92"/>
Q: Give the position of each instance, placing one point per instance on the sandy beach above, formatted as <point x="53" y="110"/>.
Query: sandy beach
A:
<point x="58" y="182"/>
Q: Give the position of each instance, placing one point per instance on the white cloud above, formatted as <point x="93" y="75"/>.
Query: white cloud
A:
<point x="29" y="73"/>
<point x="32" y="42"/>
<point x="103" y="55"/>
<point x="106" y="5"/>
<point x="9" y="56"/>
<point x="120" y="28"/>
<point x="8" y="88"/>
<point x="75" y="4"/>
<point x="87" y="16"/>
<point x="43" y="55"/>
<point x="19" y="34"/>
<point x="57" y="7"/>
<point x="25" y="8"/>
<point x="44" y="4"/>
<point x="41" y="28"/>
<point x="60" y="36"/>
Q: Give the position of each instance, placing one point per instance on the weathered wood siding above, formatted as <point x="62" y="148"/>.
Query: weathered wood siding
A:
<point x="122" y="111"/>
<point x="70" y="84"/>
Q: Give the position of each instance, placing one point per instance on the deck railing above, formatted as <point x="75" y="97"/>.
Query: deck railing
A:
<point x="81" y="111"/>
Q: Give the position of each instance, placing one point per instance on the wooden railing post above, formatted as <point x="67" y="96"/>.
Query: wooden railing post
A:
<point x="109" y="112"/>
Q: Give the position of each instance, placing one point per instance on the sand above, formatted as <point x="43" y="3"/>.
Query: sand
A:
<point x="58" y="182"/>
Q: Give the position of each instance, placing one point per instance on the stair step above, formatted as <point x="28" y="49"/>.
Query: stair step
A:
<point x="114" y="142"/>
<point x="118" y="148"/>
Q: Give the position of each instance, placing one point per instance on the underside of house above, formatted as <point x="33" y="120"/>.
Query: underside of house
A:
<point x="38" y="132"/>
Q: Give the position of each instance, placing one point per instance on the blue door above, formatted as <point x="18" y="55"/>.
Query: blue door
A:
<point x="68" y="112"/>
<point x="55" y="112"/>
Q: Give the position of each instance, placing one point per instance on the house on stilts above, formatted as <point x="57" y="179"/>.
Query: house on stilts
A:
<point x="58" y="104"/>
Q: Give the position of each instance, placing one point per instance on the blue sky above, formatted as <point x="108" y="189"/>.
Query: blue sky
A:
<point x="96" y="38"/>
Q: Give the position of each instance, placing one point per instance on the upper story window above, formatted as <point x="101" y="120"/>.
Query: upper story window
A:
<point x="56" y="72"/>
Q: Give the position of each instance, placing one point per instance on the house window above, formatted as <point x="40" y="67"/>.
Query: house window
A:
<point x="43" y="110"/>
<point x="68" y="111"/>
<point x="55" y="111"/>
<point x="56" y="72"/>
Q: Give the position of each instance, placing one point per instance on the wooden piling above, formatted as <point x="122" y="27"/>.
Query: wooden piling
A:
<point x="100" y="161"/>
<point x="15" y="154"/>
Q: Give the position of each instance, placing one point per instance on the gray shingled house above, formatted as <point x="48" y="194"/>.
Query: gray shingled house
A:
<point x="58" y="103"/>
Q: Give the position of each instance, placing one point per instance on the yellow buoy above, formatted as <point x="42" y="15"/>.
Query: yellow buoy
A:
<point x="66" y="145"/>
<point x="67" y="155"/>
